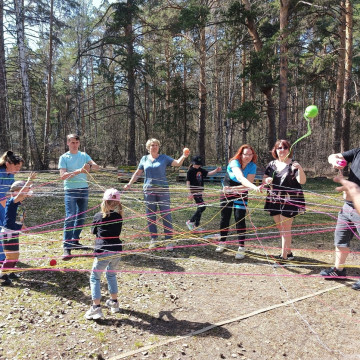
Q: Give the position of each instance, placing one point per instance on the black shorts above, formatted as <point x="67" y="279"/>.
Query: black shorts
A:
<point x="10" y="241"/>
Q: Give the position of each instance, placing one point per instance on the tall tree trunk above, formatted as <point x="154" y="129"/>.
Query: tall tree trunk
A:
<point x="4" y="114"/>
<point x="345" y="140"/>
<point x="283" y="85"/>
<point x="147" y="108"/>
<point x="202" y="96"/>
<point x="131" y="155"/>
<point x="20" y="33"/>
<point x="79" y="86"/>
<point x="336" y="131"/>
<point x="48" y="95"/>
<point x="94" y="107"/>
<point x="184" y="105"/>
<point x="217" y="105"/>
<point x="230" y="105"/>
<point x="266" y="90"/>
<point x="243" y="95"/>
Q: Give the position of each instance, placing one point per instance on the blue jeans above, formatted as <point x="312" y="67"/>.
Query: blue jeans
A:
<point x="110" y="262"/>
<point x="76" y="204"/>
<point x="160" y="199"/>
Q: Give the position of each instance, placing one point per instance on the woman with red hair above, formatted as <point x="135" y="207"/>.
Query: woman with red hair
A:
<point x="239" y="178"/>
<point x="285" y="198"/>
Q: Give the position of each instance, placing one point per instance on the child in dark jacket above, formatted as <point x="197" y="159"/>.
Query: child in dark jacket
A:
<point x="195" y="183"/>
<point x="106" y="226"/>
<point x="19" y="191"/>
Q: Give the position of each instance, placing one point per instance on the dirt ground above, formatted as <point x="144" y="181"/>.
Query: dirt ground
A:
<point x="245" y="309"/>
<point x="191" y="303"/>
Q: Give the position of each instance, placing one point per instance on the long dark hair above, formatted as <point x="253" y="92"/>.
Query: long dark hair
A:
<point x="11" y="158"/>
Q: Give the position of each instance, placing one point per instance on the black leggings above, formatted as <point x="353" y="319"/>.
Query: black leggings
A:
<point x="200" y="209"/>
<point x="239" y="214"/>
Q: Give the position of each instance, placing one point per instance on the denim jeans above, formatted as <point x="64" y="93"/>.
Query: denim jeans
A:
<point x="160" y="199"/>
<point x="110" y="262"/>
<point x="76" y="204"/>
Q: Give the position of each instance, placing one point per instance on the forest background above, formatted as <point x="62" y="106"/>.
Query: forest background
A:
<point x="206" y="74"/>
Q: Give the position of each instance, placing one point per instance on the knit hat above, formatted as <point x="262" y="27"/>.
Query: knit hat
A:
<point x="111" y="194"/>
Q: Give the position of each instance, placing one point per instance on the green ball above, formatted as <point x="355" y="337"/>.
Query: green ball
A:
<point x="311" y="111"/>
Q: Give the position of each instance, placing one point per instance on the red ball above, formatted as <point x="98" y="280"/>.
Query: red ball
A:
<point x="53" y="262"/>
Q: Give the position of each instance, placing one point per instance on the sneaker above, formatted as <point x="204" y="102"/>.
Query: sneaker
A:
<point x="169" y="247"/>
<point x="280" y="258"/>
<point x="76" y="245"/>
<point x="113" y="305"/>
<point x="333" y="272"/>
<point x="356" y="286"/>
<point x="152" y="244"/>
<point x="94" y="313"/>
<point x="6" y="282"/>
<point x="199" y="229"/>
<point x="240" y="254"/>
<point x="14" y="275"/>
<point x="67" y="254"/>
<point x="220" y="248"/>
<point x="190" y="225"/>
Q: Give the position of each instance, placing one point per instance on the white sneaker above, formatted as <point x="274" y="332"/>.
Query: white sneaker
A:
<point x="94" y="313"/>
<point x="190" y="225"/>
<point x="113" y="305"/>
<point x="169" y="247"/>
<point x="212" y="237"/>
<point x="240" y="254"/>
<point x="220" y="248"/>
<point x="152" y="244"/>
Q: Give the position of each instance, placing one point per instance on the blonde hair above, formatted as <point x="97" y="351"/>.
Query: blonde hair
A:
<point x="108" y="205"/>
<point x="150" y="141"/>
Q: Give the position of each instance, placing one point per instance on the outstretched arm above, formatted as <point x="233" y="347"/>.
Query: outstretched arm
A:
<point x="181" y="159"/>
<point x="24" y="191"/>
<point x="133" y="179"/>
<point x="246" y="182"/>
<point x="213" y="172"/>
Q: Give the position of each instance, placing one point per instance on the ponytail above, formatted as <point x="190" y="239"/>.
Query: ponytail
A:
<point x="11" y="158"/>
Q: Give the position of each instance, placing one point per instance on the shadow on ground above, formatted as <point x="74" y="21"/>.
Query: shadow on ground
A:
<point x="165" y="324"/>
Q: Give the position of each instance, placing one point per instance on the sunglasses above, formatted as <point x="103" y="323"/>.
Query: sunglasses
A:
<point x="282" y="148"/>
